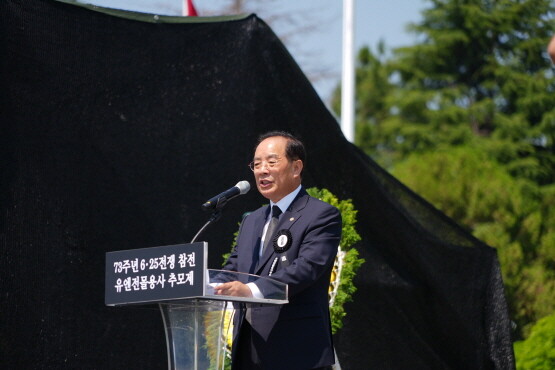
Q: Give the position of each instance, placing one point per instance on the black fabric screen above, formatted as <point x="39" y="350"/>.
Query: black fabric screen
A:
<point x="116" y="128"/>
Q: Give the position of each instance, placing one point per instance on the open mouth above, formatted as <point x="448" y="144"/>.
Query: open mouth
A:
<point x="265" y="184"/>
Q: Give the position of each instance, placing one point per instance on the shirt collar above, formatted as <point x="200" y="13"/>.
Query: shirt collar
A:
<point x="286" y="201"/>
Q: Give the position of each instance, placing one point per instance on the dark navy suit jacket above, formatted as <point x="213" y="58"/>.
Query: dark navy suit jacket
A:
<point x="296" y="335"/>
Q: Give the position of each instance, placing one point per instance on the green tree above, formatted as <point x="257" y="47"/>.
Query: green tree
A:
<point x="514" y="215"/>
<point x="479" y="72"/>
<point x="373" y="88"/>
<point x="466" y="118"/>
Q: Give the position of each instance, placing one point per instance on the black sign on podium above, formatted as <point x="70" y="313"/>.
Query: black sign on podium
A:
<point x="155" y="274"/>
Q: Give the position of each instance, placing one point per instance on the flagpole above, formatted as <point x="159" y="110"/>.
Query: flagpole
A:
<point x="348" y="73"/>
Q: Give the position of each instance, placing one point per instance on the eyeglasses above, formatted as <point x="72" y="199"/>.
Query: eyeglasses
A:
<point x="257" y="165"/>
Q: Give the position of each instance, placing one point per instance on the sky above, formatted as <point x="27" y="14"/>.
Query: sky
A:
<point x="311" y="29"/>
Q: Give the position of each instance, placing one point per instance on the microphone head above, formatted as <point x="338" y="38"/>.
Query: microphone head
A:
<point x="243" y="186"/>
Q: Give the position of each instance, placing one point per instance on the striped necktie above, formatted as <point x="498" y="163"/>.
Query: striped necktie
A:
<point x="272" y="226"/>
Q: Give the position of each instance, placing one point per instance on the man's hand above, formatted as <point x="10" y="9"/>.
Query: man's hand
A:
<point x="233" y="288"/>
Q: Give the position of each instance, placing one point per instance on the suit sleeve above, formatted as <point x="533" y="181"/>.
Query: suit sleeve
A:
<point x="317" y="251"/>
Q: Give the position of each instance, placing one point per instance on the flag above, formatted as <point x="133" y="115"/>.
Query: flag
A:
<point x="189" y="9"/>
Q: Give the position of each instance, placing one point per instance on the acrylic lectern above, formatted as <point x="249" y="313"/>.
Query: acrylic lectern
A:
<point x="176" y="278"/>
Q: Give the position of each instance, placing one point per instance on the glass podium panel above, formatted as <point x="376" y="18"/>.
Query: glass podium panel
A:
<point x="195" y="326"/>
<point x="194" y="334"/>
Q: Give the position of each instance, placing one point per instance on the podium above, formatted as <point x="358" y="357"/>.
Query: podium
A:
<point x="176" y="278"/>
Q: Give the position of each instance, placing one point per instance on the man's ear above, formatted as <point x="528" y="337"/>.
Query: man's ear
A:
<point x="297" y="167"/>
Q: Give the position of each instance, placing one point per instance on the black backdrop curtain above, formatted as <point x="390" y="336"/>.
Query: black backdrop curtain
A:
<point x="116" y="127"/>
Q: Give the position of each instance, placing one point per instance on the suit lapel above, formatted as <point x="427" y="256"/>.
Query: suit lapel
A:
<point x="256" y="239"/>
<point x="287" y="219"/>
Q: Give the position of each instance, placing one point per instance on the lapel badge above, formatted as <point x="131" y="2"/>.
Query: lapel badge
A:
<point x="282" y="241"/>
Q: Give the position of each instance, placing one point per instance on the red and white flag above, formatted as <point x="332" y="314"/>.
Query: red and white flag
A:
<point x="189" y="9"/>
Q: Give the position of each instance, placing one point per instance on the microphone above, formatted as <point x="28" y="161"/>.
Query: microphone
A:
<point x="220" y="200"/>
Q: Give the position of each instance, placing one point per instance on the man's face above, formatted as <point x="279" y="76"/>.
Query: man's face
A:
<point x="275" y="175"/>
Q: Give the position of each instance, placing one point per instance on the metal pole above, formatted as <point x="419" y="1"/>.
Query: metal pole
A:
<point x="348" y="73"/>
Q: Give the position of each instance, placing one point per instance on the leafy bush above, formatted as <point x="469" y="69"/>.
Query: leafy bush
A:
<point x="537" y="352"/>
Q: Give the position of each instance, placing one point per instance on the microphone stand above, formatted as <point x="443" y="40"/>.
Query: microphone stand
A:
<point x="214" y="217"/>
